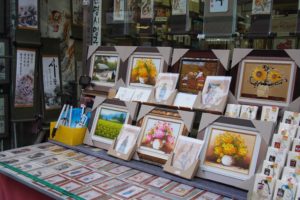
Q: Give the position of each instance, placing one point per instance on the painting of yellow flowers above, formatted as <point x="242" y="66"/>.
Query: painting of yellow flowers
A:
<point x="231" y="151"/>
<point x="144" y="70"/>
<point x="266" y="82"/>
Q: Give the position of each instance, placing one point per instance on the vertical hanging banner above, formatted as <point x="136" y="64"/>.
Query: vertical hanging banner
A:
<point x="96" y="26"/>
<point x="51" y="82"/>
<point x="25" y="68"/>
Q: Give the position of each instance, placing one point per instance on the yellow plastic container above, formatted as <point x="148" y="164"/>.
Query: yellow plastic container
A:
<point x="67" y="135"/>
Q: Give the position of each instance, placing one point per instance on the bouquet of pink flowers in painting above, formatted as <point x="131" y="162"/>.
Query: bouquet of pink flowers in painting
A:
<point x="160" y="135"/>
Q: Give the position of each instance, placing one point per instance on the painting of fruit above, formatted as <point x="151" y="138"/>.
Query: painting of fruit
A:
<point x="144" y="71"/>
<point x="110" y="122"/>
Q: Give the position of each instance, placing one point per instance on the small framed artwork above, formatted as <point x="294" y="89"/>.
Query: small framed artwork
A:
<point x="266" y="82"/>
<point x="165" y="86"/>
<point x="290" y="117"/>
<point x="185" y="100"/>
<point x="25" y="78"/>
<point x="125" y="94"/>
<point x="28" y="14"/>
<point x="233" y="110"/>
<point x="287" y="130"/>
<point x="147" y="9"/>
<point x="284" y="190"/>
<point x="263" y="187"/>
<point x="127" y="138"/>
<point x="119" y="10"/>
<point x="281" y="142"/>
<point x="296" y="145"/>
<point x="291" y="174"/>
<point x="248" y="112"/>
<point x="179" y="7"/>
<point x="70" y="186"/>
<point x="110" y="184"/>
<point x="143" y="70"/>
<point x="51" y="82"/>
<point x="4" y="118"/>
<point x="271" y="169"/>
<point x="104" y="69"/>
<point x="159" y="135"/>
<point x="77" y="13"/>
<point x="269" y="113"/>
<point x="261" y="7"/>
<point x="108" y="123"/>
<point x="215" y="92"/>
<point x="276" y="155"/>
<point x="77" y="172"/>
<point x="91" y="194"/>
<point x="293" y="160"/>
<point x="130" y="192"/>
<point x="284" y="43"/>
<point x="218" y="6"/>
<point x="186" y="152"/>
<point x="193" y="73"/>
<point x="235" y="157"/>
<point x="91" y="177"/>
<point x="159" y="182"/>
<point x="180" y="190"/>
<point x="141" y="95"/>
<point x="4" y="68"/>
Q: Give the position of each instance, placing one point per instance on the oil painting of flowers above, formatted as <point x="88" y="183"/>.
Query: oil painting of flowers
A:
<point x="144" y="71"/>
<point x="269" y="82"/>
<point x="231" y="151"/>
<point x="160" y="135"/>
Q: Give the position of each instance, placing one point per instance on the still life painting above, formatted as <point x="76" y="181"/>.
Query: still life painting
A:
<point x="159" y="136"/>
<point x="266" y="82"/>
<point x="231" y="152"/>
<point x="108" y="123"/>
<point x="144" y="71"/>
<point x="104" y="69"/>
<point x="193" y="73"/>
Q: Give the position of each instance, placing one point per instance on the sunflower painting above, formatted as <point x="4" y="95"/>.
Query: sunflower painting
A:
<point x="266" y="82"/>
<point x="144" y="71"/>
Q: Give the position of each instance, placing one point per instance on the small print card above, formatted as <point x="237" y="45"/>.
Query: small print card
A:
<point x="21" y="151"/>
<point x="180" y="190"/>
<point x="281" y="142"/>
<point x="37" y="155"/>
<point x="186" y="152"/>
<point x="119" y="170"/>
<point x="276" y="156"/>
<point x="76" y="172"/>
<point x="127" y="138"/>
<point x="91" y="194"/>
<point x="110" y="184"/>
<point x="130" y="192"/>
<point x="185" y="100"/>
<point x="291" y="174"/>
<point x="293" y="160"/>
<point x="233" y="110"/>
<point x="85" y="159"/>
<point x="56" y="180"/>
<point x="139" y="177"/>
<point x="88" y="178"/>
<point x="125" y="94"/>
<point x="141" y="95"/>
<point x="269" y="113"/>
<point x="44" y="146"/>
<point x="29" y="166"/>
<point x="165" y="86"/>
<point x="291" y="118"/>
<point x="70" y="186"/>
<point x="99" y="164"/>
<point x="64" y="166"/>
<point x="151" y="196"/>
<point x="207" y="195"/>
<point x="159" y="182"/>
<point x="42" y="172"/>
<point x="50" y="160"/>
<point x="287" y="130"/>
<point x="248" y="112"/>
<point x="271" y="169"/>
<point x="263" y="187"/>
<point x="284" y="190"/>
<point x="296" y="145"/>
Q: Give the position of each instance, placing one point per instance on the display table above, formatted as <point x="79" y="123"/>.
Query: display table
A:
<point x="82" y="172"/>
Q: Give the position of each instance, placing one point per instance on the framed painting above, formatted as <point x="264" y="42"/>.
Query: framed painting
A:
<point x="193" y="72"/>
<point x="261" y="7"/>
<point x="104" y="69"/>
<point x="51" y="82"/>
<point x="230" y="151"/>
<point x="119" y="10"/>
<point x="4" y="123"/>
<point x="4" y="70"/>
<point x="28" y="14"/>
<point x="143" y="70"/>
<point x="179" y="7"/>
<point x="266" y="82"/>
<point x="147" y="9"/>
<point x="219" y="6"/>
<point x="108" y="123"/>
<point x="159" y="135"/>
<point x="25" y="77"/>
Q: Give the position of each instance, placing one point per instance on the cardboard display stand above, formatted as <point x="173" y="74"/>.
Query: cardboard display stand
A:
<point x="264" y="129"/>
<point x="187" y="174"/>
<point x="114" y="153"/>
<point x="130" y="106"/>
